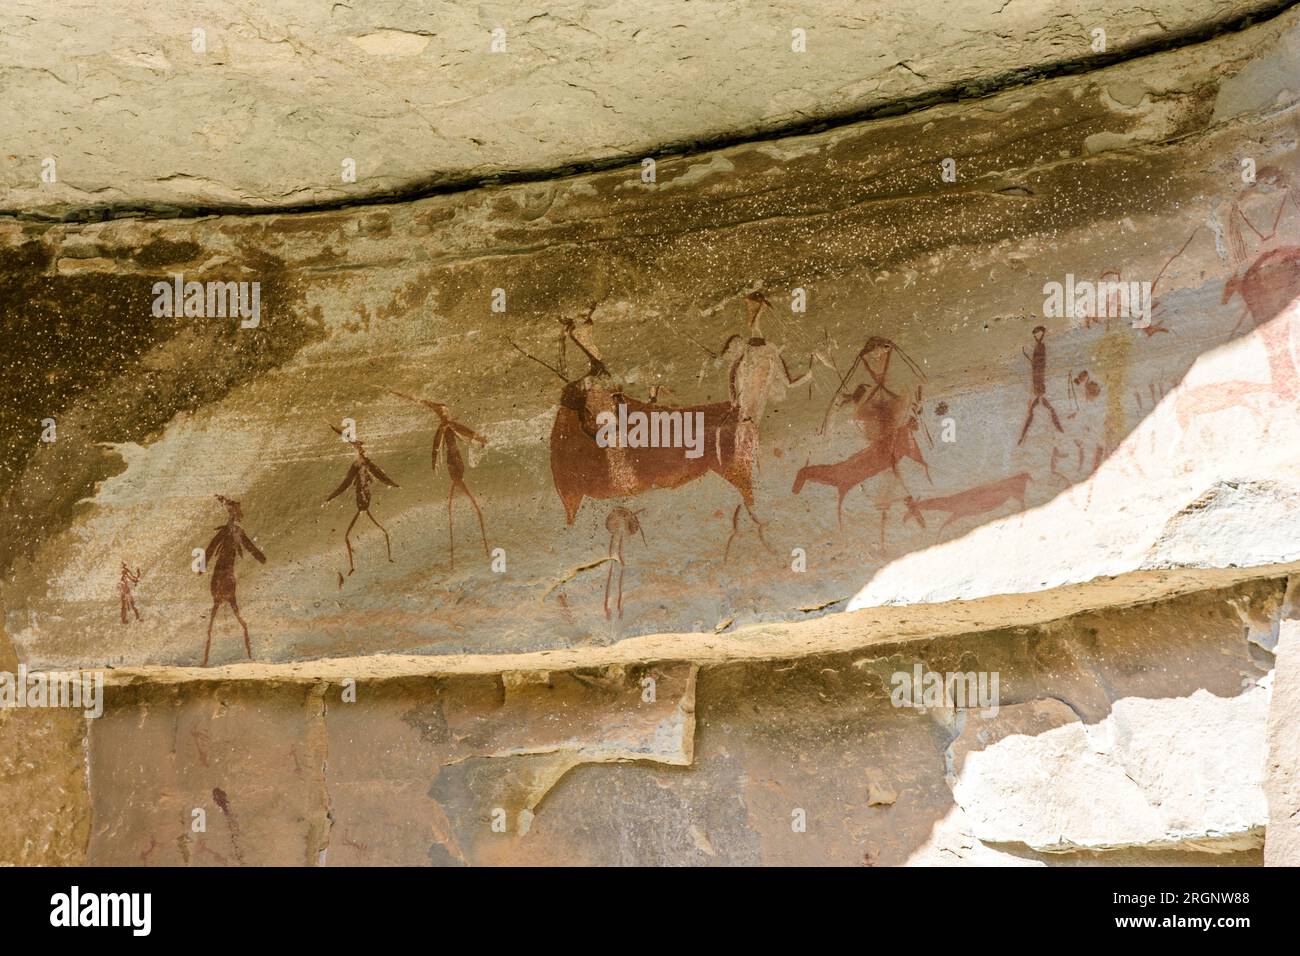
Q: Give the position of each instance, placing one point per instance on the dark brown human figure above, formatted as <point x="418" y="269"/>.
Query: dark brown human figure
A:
<point x="445" y="439"/>
<point x="620" y="523"/>
<point x="124" y="582"/>
<point x="1038" y="378"/>
<point x="360" y="474"/>
<point x="227" y="546"/>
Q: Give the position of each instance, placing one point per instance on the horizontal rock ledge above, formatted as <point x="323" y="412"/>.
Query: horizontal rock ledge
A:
<point x="850" y="631"/>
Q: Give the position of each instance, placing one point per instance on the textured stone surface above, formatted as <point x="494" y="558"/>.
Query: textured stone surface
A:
<point x="1282" y="774"/>
<point x="249" y="759"/>
<point x="281" y="94"/>
<point x="457" y="752"/>
<point x="45" y="811"/>
<point x="580" y="767"/>
<point x="640" y="656"/>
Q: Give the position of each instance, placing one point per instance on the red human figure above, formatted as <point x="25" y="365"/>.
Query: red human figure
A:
<point x="445" y="440"/>
<point x="620" y="522"/>
<point x="127" y="599"/>
<point x="1038" y="378"/>
<point x="226" y="546"/>
<point x="879" y="350"/>
<point x="889" y="420"/>
<point x="360" y="474"/>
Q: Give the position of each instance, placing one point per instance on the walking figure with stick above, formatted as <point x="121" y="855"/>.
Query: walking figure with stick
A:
<point x="360" y="474"/>
<point x="619" y="523"/>
<point x="445" y="440"/>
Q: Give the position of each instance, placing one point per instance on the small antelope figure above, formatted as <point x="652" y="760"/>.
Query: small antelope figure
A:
<point x="969" y="503"/>
<point x="620" y="522"/>
<point x="124" y="582"/>
<point x="360" y="474"/>
<point x="226" y="546"/>
<point x="445" y="439"/>
<point x="1038" y="379"/>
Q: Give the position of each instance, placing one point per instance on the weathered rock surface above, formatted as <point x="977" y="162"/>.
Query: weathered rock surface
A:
<point x="1155" y="773"/>
<point x="222" y="776"/>
<point x="498" y="747"/>
<point x="1282" y="772"/>
<point x="262" y="107"/>
<point x="806" y="761"/>
<point x="45" y="812"/>
<point x="908" y="470"/>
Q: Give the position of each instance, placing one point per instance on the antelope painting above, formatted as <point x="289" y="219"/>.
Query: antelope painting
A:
<point x="581" y="468"/>
<point x="970" y="503"/>
<point x="889" y="419"/>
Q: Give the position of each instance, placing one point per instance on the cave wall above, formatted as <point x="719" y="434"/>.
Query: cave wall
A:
<point x="508" y="642"/>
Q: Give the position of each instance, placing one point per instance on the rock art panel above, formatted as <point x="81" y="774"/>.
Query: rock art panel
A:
<point x="916" y="487"/>
<point x="912" y="374"/>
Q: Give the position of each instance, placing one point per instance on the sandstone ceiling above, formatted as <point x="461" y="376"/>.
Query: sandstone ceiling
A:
<point x="218" y="104"/>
